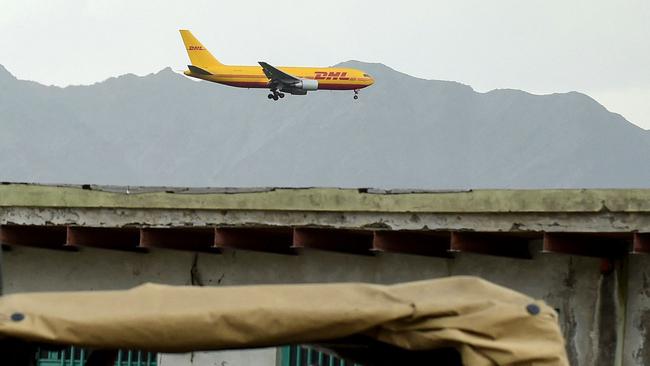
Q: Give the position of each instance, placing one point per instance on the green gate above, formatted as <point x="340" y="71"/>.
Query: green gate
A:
<point x="297" y="355"/>
<point x="74" y="356"/>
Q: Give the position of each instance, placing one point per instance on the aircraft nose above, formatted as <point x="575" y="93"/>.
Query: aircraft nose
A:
<point x="371" y="80"/>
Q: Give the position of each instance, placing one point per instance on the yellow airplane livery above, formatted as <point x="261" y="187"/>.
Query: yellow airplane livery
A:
<point x="279" y="80"/>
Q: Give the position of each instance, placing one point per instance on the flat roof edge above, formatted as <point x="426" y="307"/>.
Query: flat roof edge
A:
<point x="327" y="199"/>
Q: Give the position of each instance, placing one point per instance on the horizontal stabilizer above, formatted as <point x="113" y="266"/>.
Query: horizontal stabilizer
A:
<point x="198" y="70"/>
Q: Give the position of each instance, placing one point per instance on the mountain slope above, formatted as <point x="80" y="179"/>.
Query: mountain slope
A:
<point x="404" y="132"/>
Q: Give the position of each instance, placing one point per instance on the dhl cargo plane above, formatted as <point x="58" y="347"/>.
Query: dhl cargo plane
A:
<point x="280" y="80"/>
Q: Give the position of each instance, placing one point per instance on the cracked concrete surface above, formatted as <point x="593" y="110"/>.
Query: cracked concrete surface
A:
<point x="605" y="316"/>
<point x="573" y="285"/>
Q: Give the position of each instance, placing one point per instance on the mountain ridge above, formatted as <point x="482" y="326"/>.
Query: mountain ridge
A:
<point x="404" y="132"/>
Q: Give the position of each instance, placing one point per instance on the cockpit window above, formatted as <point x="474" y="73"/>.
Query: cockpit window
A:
<point x="366" y="75"/>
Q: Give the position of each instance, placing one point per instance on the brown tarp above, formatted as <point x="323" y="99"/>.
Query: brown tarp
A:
<point x="486" y="323"/>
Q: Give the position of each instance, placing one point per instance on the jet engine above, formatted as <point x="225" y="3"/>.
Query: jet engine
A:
<point x="306" y="85"/>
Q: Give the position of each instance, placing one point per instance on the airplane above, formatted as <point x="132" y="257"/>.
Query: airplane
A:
<point x="279" y="80"/>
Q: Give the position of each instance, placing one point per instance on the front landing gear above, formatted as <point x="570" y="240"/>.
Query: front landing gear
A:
<point x="275" y="95"/>
<point x="356" y="94"/>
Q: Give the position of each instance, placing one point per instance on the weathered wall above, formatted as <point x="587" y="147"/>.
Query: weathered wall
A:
<point x="637" y="324"/>
<point x="605" y="314"/>
<point x="256" y="357"/>
<point x="588" y="302"/>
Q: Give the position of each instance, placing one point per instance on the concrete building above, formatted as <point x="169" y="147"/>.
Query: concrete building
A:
<point x="582" y="251"/>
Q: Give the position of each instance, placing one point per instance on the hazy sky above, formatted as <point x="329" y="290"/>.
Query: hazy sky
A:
<point x="599" y="47"/>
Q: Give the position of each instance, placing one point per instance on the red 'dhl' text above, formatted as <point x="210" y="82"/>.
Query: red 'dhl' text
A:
<point x="332" y="75"/>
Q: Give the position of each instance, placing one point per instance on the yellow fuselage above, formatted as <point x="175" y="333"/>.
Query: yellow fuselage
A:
<point x="329" y="78"/>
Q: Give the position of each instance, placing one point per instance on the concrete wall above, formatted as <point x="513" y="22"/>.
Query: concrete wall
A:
<point x="604" y="310"/>
<point x="637" y="324"/>
<point x="257" y="357"/>
<point x="605" y="317"/>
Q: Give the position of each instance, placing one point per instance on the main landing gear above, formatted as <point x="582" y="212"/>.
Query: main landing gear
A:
<point x="356" y="94"/>
<point x="275" y="95"/>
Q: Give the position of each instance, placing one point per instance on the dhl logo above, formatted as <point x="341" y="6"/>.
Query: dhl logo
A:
<point x="331" y="75"/>
<point x="196" y="48"/>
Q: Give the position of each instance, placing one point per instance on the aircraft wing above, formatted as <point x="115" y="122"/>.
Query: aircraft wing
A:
<point x="277" y="75"/>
